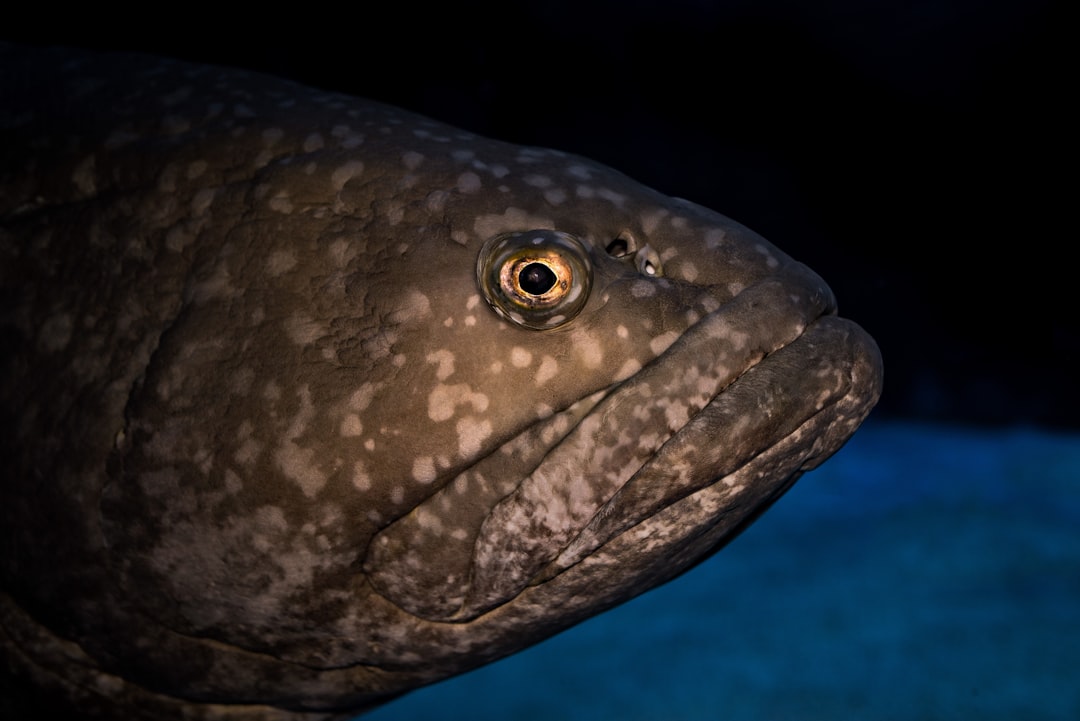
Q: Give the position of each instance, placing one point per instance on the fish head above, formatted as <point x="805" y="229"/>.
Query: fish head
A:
<point x="630" y="380"/>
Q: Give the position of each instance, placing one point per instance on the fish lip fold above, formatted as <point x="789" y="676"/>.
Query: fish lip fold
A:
<point x="855" y="368"/>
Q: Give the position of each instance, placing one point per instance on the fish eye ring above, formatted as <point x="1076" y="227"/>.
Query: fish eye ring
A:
<point x="538" y="279"/>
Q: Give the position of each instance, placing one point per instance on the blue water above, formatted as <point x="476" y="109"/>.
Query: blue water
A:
<point x="924" y="572"/>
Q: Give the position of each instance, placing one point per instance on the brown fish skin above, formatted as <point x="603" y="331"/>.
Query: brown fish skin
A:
<point x="309" y="401"/>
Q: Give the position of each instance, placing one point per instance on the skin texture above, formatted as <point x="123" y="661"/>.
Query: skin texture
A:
<point x="272" y="452"/>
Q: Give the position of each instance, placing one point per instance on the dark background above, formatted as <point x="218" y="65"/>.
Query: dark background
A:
<point x="915" y="154"/>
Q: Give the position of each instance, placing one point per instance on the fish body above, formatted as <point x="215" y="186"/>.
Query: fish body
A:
<point x="310" y="401"/>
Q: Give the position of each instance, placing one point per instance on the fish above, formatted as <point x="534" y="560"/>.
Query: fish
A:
<point x="310" y="401"/>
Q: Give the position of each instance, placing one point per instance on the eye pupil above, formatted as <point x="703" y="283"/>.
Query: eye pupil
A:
<point x="536" y="279"/>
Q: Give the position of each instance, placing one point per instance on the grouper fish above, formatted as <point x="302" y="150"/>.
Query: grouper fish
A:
<point x="308" y="401"/>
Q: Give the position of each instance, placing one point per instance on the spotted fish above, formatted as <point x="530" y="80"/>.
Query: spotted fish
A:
<point x="309" y="401"/>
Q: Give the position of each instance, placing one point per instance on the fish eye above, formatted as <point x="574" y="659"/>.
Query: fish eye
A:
<point x="537" y="279"/>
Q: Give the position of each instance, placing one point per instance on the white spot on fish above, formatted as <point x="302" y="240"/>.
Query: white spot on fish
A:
<point x="661" y="342"/>
<point x="351" y="425"/>
<point x="650" y="221"/>
<point x="55" y="333"/>
<point x="581" y="172"/>
<point x="281" y="202"/>
<point x="280" y="261"/>
<point x="217" y="285"/>
<point x="628" y="368"/>
<point x="443" y="401"/>
<point x="195" y="169"/>
<point x="413" y="306"/>
<point x="538" y="181"/>
<point x="360" y="478"/>
<point x="714" y="238"/>
<point x="589" y="351"/>
<point x="241" y="382"/>
<point x="445" y="361"/>
<point x="271" y="136"/>
<point x="510" y="220"/>
<point x="202" y="201"/>
<point x="303" y="330"/>
<point x="175" y="125"/>
<point x="297" y="464"/>
<point x="294" y="461"/>
<point x="468" y="182"/>
<point x="272" y="391"/>
<point x="436" y="201"/>
<point x="519" y="357"/>
<point x="339" y="252"/>
<point x="423" y="471"/>
<point x="471" y="435"/>
<point x="555" y="196"/>
<point x="361" y="397"/>
<point x="233" y="484"/>
<point x="345" y="173"/>
<point x="770" y="260"/>
<point x="84" y="176"/>
<point x="428" y="521"/>
<point x="549" y="368"/>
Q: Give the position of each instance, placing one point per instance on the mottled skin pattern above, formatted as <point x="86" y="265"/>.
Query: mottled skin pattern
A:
<point x="269" y="453"/>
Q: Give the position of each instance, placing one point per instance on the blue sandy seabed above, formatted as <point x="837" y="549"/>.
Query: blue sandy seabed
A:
<point x="924" y="572"/>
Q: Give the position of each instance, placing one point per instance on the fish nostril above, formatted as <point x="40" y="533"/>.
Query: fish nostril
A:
<point x="622" y="246"/>
<point x="626" y="248"/>
<point x="617" y="248"/>
<point x="647" y="261"/>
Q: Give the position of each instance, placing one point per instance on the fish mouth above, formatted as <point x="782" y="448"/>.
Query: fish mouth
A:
<point x="720" y="424"/>
<point x="749" y="444"/>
